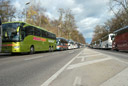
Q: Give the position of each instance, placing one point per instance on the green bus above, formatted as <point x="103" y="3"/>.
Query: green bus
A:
<point x="21" y="37"/>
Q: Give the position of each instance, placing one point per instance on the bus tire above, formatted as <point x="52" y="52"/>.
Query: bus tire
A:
<point x="32" y="50"/>
<point x="116" y="48"/>
<point x="13" y="54"/>
<point x="106" y="46"/>
<point x="62" y="49"/>
<point x="49" y="49"/>
<point x="52" y="49"/>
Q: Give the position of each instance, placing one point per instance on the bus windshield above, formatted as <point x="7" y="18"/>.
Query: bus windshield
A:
<point x="10" y="32"/>
<point x="58" y="41"/>
<point x="112" y="37"/>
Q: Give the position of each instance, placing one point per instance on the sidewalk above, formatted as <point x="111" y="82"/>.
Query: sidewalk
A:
<point x="91" y="68"/>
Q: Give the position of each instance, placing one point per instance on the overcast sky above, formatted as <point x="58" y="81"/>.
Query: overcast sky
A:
<point x="88" y="13"/>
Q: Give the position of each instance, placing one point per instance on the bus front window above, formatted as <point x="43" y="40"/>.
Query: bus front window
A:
<point x="58" y="43"/>
<point x="112" y="37"/>
<point x="10" y="32"/>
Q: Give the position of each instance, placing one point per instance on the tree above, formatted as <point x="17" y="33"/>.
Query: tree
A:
<point x="7" y="11"/>
<point x="35" y="15"/>
<point x="99" y="32"/>
<point x="119" y="3"/>
<point x="69" y="23"/>
<point x="118" y="21"/>
<point x="66" y="27"/>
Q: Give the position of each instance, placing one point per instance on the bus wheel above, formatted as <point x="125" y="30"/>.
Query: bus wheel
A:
<point x="62" y="49"/>
<point x="52" y="49"/>
<point x="49" y="49"/>
<point x="13" y="54"/>
<point x="116" y="48"/>
<point x="32" y="50"/>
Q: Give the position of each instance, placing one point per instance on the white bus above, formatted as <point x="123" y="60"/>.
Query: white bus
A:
<point x="71" y="44"/>
<point x="0" y="34"/>
<point x="97" y="44"/>
<point x="106" y="42"/>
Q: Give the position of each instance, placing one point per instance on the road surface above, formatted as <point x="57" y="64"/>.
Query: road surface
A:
<point x="78" y="67"/>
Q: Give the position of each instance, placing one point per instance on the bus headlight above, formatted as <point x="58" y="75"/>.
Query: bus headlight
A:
<point x="16" y="46"/>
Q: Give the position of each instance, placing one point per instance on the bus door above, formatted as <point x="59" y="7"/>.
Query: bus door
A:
<point x="0" y="34"/>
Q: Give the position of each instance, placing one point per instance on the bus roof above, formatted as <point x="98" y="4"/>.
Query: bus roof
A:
<point x="26" y="24"/>
<point x="60" y="38"/>
<point x="107" y="35"/>
<point x="121" y="29"/>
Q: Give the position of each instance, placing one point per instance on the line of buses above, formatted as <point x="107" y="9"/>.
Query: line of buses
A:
<point x="18" y="37"/>
<point x="118" y="40"/>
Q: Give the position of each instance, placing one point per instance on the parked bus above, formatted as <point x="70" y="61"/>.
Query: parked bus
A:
<point x="94" y="44"/>
<point x="0" y="34"/>
<point x="22" y="37"/>
<point x="121" y="39"/>
<point x="79" y="45"/>
<point x="62" y="43"/>
<point x="98" y="44"/>
<point x="71" y="44"/>
<point x="106" y="42"/>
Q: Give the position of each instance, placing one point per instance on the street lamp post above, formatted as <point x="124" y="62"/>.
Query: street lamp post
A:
<point x="59" y="33"/>
<point x="26" y="10"/>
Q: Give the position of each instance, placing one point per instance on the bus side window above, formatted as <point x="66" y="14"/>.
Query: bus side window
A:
<point x="44" y="34"/>
<point x="62" y="44"/>
<point x="22" y="34"/>
<point x="29" y="30"/>
<point x="48" y="34"/>
<point x="37" y="32"/>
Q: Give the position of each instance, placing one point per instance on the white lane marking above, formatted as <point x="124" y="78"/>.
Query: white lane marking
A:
<point x="77" y="81"/>
<point x="120" y="79"/>
<point x="94" y="55"/>
<point x="83" y="58"/>
<point x="118" y="59"/>
<point x="53" y="77"/>
<point x="89" y="55"/>
<point x="86" y="63"/>
<point x="33" y="58"/>
<point x="79" y="57"/>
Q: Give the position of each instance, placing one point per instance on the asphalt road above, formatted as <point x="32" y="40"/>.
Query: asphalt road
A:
<point x="32" y="70"/>
<point x="36" y="69"/>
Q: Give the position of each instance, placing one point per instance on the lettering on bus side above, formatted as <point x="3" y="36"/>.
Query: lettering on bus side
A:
<point x="51" y="41"/>
<point x="39" y="39"/>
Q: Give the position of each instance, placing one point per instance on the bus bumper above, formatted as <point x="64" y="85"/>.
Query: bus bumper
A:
<point x="11" y="47"/>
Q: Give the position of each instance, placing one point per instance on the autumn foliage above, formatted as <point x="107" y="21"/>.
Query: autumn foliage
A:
<point x="35" y="14"/>
<point x="64" y="26"/>
<point x="120" y="19"/>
